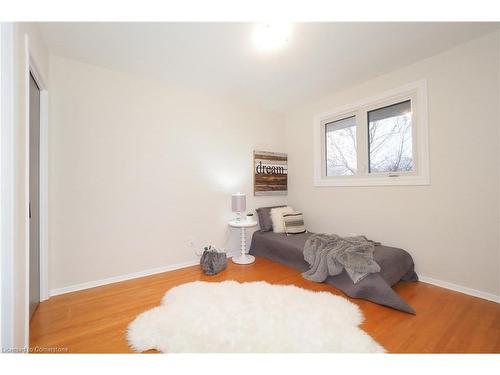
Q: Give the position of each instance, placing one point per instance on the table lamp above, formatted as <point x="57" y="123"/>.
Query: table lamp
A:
<point x="238" y="204"/>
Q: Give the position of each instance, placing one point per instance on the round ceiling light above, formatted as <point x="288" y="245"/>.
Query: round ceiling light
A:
<point x="271" y="36"/>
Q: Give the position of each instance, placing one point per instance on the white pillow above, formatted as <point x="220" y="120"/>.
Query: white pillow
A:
<point x="277" y="218"/>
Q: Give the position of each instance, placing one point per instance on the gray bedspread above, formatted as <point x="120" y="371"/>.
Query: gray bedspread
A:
<point x="395" y="265"/>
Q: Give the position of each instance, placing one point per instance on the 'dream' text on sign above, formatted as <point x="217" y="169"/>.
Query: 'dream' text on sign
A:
<point x="270" y="173"/>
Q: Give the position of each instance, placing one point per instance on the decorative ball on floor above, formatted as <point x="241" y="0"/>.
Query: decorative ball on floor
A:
<point x="213" y="260"/>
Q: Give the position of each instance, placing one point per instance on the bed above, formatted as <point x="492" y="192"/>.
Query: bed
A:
<point x="396" y="265"/>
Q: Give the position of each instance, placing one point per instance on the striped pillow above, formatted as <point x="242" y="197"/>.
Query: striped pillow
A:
<point x="294" y="223"/>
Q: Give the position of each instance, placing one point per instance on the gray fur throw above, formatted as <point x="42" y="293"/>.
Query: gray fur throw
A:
<point x="213" y="262"/>
<point x="328" y="255"/>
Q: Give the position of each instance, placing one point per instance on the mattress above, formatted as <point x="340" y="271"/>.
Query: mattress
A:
<point x="395" y="265"/>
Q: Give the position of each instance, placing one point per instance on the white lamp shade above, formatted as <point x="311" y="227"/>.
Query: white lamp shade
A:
<point x="238" y="202"/>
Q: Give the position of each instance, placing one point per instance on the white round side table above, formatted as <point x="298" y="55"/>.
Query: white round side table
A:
<point x="244" y="258"/>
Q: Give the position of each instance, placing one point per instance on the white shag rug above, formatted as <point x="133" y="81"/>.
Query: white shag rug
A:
<point x="222" y="317"/>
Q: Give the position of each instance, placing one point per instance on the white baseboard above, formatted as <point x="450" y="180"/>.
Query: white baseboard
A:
<point x="460" y="288"/>
<point x="172" y="267"/>
<point x="116" y="279"/>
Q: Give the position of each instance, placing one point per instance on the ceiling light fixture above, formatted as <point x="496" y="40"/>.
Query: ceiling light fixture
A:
<point x="270" y="36"/>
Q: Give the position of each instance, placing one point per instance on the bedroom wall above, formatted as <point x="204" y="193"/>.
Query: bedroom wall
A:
<point x="451" y="227"/>
<point x="139" y="170"/>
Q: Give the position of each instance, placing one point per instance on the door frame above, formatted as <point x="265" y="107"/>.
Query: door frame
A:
<point x="7" y="184"/>
<point x="31" y="66"/>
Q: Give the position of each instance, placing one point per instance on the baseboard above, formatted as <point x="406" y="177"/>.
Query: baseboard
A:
<point x="460" y="288"/>
<point x="116" y="279"/>
<point x="173" y="267"/>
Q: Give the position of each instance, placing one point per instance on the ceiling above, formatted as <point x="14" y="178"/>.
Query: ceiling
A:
<point x="220" y="58"/>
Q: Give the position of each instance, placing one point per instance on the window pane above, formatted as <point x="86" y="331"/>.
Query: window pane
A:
<point x="340" y="146"/>
<point x="390" y="138"/>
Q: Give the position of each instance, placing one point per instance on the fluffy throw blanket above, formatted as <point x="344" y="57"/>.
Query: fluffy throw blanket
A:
<point x="328" y="255"/>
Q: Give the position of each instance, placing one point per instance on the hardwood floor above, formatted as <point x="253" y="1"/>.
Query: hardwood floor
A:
<point x="95" y="320"/>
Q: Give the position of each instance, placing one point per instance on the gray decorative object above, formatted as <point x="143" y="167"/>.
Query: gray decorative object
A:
<point x="213" y="261"/>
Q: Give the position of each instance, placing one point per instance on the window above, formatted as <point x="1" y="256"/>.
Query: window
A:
<point x="390" y="139"/>
<point x="340" y="144"/>
<point x="377" y="141"/>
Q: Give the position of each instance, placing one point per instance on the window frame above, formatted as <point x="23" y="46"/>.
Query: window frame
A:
<point x="417" y="93"/>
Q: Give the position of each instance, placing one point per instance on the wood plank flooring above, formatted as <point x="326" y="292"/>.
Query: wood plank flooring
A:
<point x="95" y="320"/>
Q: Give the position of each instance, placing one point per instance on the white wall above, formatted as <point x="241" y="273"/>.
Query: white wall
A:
<point x="451" y="228"/>
<point x="136" y="169"/>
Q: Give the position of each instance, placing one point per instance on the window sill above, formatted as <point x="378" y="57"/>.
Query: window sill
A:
<point x="373" y="181"/>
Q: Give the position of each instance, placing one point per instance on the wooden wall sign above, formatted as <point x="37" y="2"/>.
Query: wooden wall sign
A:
<point x="270" y="173"/>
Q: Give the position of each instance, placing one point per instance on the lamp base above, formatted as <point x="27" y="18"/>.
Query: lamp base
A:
<point x="243" y="259"/>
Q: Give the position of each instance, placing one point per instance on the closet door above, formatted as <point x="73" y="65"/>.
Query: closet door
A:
<point x="34" y="203"/>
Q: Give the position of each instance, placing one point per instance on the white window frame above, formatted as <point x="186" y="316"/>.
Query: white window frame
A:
<point x="417" y="92"/>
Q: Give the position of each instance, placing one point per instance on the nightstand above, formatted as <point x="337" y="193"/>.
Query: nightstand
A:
<point x="244" y="258"/>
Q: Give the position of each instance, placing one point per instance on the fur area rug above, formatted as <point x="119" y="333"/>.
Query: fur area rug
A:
<point x="256" y="317"/>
